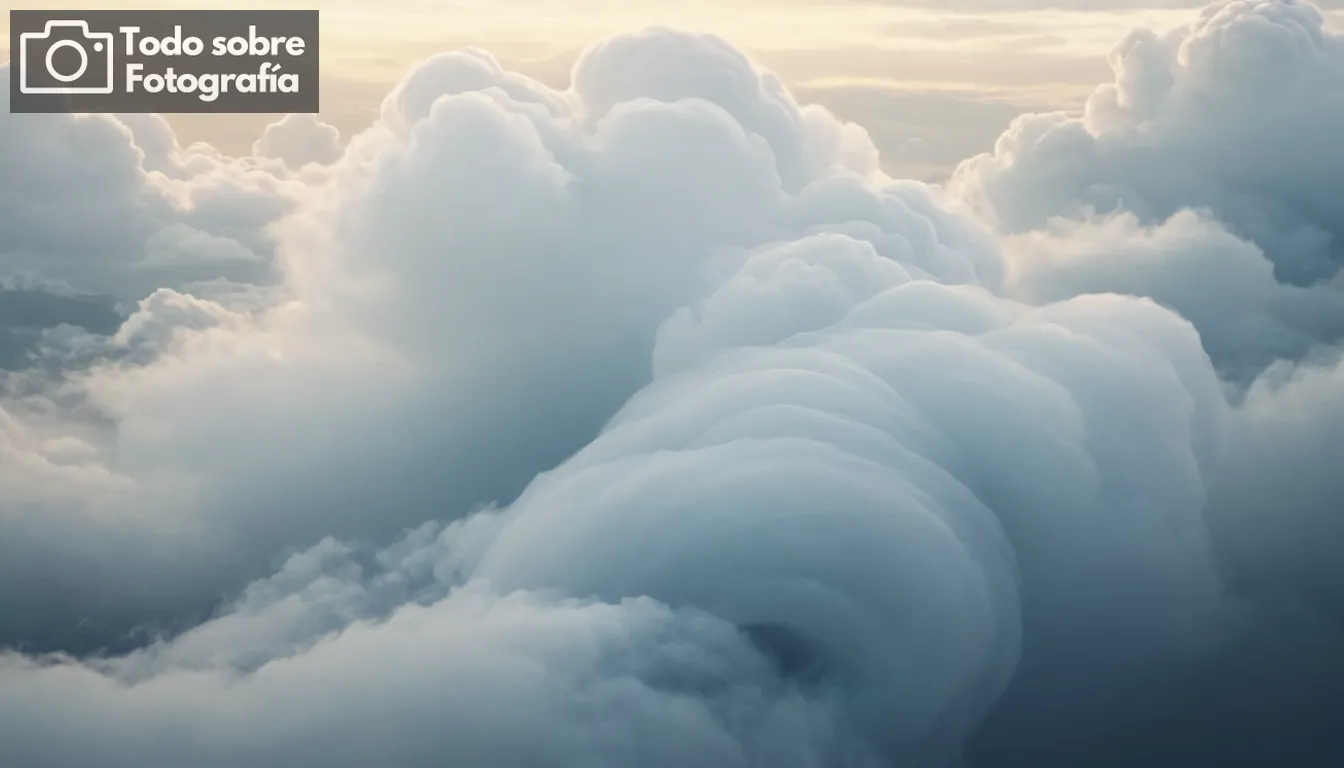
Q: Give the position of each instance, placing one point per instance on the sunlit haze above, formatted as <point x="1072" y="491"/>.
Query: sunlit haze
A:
<point x="934" y="82"/>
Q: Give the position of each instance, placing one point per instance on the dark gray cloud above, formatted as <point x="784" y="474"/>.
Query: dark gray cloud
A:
<point x="26" y="312"/>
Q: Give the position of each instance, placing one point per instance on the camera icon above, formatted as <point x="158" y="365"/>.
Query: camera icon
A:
<point x="86" y="67"/>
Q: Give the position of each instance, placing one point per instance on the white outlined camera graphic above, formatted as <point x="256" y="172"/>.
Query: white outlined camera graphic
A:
<point x="94" y="50"/>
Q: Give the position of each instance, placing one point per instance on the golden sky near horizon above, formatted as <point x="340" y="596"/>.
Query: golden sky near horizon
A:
<point x="917" y="70"/>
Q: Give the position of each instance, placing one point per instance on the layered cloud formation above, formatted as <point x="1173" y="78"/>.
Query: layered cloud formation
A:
<point x="1205" y="177"/>
<point x="649" y="423"/>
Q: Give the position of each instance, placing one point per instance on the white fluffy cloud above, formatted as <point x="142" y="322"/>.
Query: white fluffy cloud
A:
<point x="479" y="286"/>
<point x="299" y="139"/>
<point x="641" y="423"/>
<point x="1238" y="115"/>
<point x="1190" y="263"/>
<point x="84" y="197"/>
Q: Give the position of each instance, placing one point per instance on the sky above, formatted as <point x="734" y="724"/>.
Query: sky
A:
<point x="793" y="387"/>
<point x="933" y="82"/>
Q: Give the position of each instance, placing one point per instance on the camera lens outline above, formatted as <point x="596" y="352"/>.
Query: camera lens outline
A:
<point x="83" y="60"/>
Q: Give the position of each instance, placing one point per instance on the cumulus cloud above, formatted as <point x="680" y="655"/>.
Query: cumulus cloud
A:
<point x="299" y="139"/>
<point x="478" y="288"/>
<point x="1235" y="115"/>
<point x="647" y="423"/>
<point x="1192" y="264"/>
<point x="84" y="196"/>
<point x="1198" y="118"/>
<point x="1205" y="177"/>
<point x="852" y="530"/>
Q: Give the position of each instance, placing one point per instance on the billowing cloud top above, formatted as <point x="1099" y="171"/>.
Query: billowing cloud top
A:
<point x="1235" y="117"/>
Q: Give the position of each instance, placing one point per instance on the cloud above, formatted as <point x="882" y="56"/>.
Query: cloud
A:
<point x="85" y="195"/>
<point x="467" y="351"/>
<point x="1191" y="264"/>
<point x="26" y="311"/>
<point x="1200" y="180"/>
<point x="648" y="423"/>
<point x="577" y="666"/>
<point x="299" y="139"/>
<point x="1277" y="502"/>
<point x="1198" y="118"/>
<point x="821" y="524"/>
